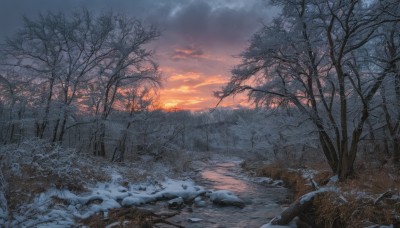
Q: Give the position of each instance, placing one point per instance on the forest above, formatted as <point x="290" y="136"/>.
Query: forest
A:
<point x="79" y="99"/>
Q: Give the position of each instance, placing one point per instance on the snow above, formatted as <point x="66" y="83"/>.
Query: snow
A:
<point x="225" y="197"/>
<point x="309" y="196"/>
<point x="334" y="179"/>
<point x="194" y="220"/>
<point x="263" y="180"/>
<point x="45" y="212"/>
<point x="132" y="201"/>
<point x="290" y="225"/>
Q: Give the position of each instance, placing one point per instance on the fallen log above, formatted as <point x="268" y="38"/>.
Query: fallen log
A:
<point x="297" y="207"/>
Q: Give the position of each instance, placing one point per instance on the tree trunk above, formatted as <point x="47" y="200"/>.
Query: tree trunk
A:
<point x="62" y="128"/>
<point x="41" y="127"/>
<point x="119" y="151"/>
<point x="329" y="151"/>
<point x="345" y="168"/>
<point x="54" y="139"/>
<point x="396" y="151"/>
<point x="98" y="140"/>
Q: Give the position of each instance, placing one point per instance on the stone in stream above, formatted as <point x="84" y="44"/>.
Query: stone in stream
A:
<point x="176" y="203"/>
<point x="225" y="198"/>
<point x="199" y="202"/>
<point x="195" y="220"/>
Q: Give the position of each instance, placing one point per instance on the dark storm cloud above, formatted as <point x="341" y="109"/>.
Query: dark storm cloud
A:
<point x="11" y="11"/>
<point x="201" y="21"/>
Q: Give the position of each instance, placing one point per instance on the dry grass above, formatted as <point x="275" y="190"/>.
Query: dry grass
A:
<point x="358" y="211"/>
<point x="33" y="167"/>
<point x="291" y="178"/>
<point x="360" y="201"/>
<point x="374" y="180"/>
<point x="23" y="188"/>
<point x="127" y="217"/>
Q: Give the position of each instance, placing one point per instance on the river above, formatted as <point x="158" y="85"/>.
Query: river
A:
<point x="262" y="201"/>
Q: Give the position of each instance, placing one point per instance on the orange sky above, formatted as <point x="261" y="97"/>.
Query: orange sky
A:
<point x="194" y="91"/>
<point x="191" y="87"/>
<point x="195" y="50"/>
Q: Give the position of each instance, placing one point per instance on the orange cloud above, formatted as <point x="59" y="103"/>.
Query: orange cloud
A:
<point x="189" y="85"/>
<point x="180" y="89"/>
<point x="189" y="52"/>
<point x="191" y="90"/>
<point x="184" y="77"/>
<point x="212" y="80"/>
<point x="189" y="103"/>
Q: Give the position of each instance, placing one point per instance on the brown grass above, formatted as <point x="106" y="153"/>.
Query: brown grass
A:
<point x="127" y="217"/>
<point x="356" y="205"/>
<point x="24" y="188"/>
<point x="293" y="179"/>
<point x="374" y="180"/>
<point x="358" y="211"/>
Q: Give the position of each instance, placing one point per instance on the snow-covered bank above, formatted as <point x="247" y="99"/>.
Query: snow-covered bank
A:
<point x="370" y="199"/>
<point x="64" y="208"/>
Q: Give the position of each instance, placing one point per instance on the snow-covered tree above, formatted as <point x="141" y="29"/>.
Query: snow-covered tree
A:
<point x="66" y="64"/>
<point x="318" y="56"/>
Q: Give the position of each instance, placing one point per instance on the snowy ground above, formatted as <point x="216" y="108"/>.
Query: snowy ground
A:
<point x="62" y="208"/>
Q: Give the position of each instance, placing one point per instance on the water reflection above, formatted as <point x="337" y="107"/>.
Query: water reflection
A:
<point x="262" y="203"/>
<point x="219" y="178"/>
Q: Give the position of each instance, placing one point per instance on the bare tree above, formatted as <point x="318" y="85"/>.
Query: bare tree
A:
<point x="317" y="57"/>
<point x="78" y="61"/>
<point x="128" y="64"/>
<point x="390" y="90"/>
<point x="138" y="105"/>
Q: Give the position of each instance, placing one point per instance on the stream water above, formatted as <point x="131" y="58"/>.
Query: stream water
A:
<point x="263" y="202"/>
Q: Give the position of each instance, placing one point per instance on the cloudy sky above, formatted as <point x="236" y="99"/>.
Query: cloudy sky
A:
<point x="199" y="42"/>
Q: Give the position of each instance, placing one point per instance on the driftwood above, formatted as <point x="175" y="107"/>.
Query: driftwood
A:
<point x="383" y="196"/>
<point x="297" y="207"/>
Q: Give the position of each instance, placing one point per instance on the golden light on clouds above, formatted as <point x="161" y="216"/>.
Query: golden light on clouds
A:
<point x="184" y="77"/>
<point x="192" y="73"/>
<point x="181" y="89"/>
<point x="216" y="80"/>
<point x="190" y="90"/>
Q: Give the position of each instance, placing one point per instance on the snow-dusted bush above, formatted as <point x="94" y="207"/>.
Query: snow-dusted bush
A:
<point x="42" y="158"/>
<point x="33" y="167"/>
<point x="3" y="200"/>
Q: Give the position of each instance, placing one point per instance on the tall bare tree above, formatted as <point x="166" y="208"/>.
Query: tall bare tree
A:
<point x="317" y="56"/>
<point x="73" y="60"/>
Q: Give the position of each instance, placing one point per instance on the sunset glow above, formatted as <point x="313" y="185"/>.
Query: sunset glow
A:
<point x="190" y="90"/>
<point x="197" y="47"/>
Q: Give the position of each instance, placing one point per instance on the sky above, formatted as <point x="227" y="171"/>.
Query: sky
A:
<point x="199" y="44"/>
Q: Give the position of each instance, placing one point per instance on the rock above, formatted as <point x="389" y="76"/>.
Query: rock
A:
<point x="142" y="188"/>
<point x="195" y="220"/>
<point x="199" y="202"/>
<point x="226" y="198"/>
<point x="176" y="203"/>
<point x="122" y="189"/>
<point x="263" y="180"/>
<point x="279" y="183"/>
